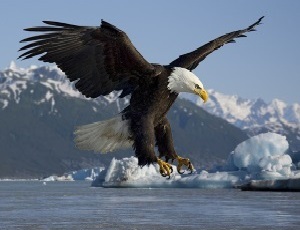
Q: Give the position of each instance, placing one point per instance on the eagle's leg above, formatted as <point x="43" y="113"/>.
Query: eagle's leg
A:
<point x="144" y="139"/>
<point x="164" y="142"/>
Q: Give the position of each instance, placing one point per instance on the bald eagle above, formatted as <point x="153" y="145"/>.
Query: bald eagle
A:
<point x="102" y="59"/>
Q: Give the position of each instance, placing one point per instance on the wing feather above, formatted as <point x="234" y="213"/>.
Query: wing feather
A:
<point x="191" y="60"/>
<point x="101" y="59"/>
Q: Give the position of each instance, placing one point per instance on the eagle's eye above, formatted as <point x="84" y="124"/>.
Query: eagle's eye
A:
<point x="197" y="86"/>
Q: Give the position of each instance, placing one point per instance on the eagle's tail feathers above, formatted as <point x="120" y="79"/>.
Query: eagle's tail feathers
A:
<point x="104" y="136"/>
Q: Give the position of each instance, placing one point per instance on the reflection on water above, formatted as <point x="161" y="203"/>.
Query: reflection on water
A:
<point x="76" y="205"/>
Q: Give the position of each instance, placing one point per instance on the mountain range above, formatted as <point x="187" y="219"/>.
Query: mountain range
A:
<point x="255" y="116"/>
<point x="39" y="109"/>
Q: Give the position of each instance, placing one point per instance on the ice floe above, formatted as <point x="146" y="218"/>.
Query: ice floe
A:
<point x="260" y="157"/>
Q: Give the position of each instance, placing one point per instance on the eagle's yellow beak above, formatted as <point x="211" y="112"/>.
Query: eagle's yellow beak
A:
<point x="202" y="93"/>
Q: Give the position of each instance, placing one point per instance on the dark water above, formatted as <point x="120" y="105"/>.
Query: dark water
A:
<point x="76" y="205"/>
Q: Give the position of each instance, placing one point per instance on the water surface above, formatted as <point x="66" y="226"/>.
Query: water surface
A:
<point x="76" y="205"/>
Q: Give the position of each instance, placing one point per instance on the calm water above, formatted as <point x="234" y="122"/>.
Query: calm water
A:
<point x="76" y="205"/>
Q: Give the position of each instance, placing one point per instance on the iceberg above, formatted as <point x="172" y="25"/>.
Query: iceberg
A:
<point x="262" y="157"/>
<point x="87" y="174"/>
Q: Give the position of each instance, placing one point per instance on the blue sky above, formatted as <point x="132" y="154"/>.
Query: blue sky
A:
<point x="265" y="65"/>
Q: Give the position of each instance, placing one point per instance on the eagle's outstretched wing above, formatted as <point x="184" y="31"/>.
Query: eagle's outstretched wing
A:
<point x="191" y="60"/>
<point x="102" y="59"/>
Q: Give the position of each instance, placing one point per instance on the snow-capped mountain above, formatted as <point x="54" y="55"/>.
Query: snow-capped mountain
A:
<point x="254" y="116"/>
<point x="14" y="80"/>
<point x="248" y="114"/>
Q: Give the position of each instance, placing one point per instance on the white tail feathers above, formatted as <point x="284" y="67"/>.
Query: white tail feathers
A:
<point x="104" y="136"/>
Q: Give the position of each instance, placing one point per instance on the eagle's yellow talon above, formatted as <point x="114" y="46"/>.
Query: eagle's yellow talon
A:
<point x="186" y="162"/>
<point x="165" y="168"/>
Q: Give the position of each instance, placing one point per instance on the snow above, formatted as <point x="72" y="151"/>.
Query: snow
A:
<point x="231" y="107"/>
<point x="67" y="88"/>
<point x="113" y="97"/>
<point x="59" y="178"/>
<point x="58" y="70"/>
<point x="16" y="80"/>
<point x="13" y="66"/>
<point x="279" y="106"/>
<point x="47" y="84"/>
<point x="21" y="71"/>
<point x="249" y="114"/>
<point x="49" y="95"/>
<point x="62" y="86"/>
<point x="260" y="157"/>
<point x="16" y="88"/>
<point x="5" y="103"/>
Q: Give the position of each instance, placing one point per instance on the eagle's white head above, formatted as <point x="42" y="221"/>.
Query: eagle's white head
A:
<point x="183" y="80"/>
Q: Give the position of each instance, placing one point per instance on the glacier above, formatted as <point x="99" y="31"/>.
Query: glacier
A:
<point x="262" y="157"/>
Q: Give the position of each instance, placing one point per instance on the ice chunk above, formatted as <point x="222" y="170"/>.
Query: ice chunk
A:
<point x="87" y="174"/>
<point x="264" y="147"/>
<point x="263" y="156"/>
<point x="127" y="173"/>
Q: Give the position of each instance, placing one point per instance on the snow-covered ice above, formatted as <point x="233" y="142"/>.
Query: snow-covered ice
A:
<point x="127" y="173"/>
<point x="260" y="157"/>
